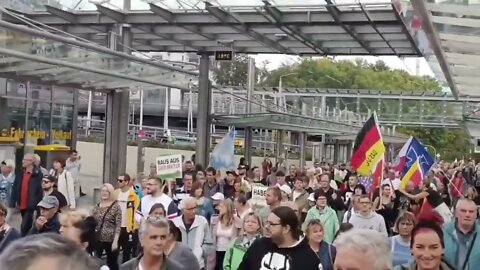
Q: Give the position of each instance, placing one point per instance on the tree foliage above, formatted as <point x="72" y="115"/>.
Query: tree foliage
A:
<point x="235" y="73"/>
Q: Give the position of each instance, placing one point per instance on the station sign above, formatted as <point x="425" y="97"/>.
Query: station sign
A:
<point x="224" y="56"/>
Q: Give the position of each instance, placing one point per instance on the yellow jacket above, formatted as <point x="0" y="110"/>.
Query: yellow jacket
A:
<point x="133" y="202"/>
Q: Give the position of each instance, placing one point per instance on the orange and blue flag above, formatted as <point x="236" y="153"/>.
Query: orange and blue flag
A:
<point x="414" y="174"/>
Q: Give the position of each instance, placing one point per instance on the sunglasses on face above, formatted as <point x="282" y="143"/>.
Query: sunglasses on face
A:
<point x="121" y="180"/>
<point x="46" y="182"/>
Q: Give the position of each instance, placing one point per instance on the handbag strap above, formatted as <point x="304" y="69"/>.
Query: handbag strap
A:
<point x="105" y="215"/>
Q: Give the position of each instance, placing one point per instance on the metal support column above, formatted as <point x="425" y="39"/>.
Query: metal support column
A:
<point x="116" y="131"/>
<point x="349" y="150"/>
<point x="203" y="112"/>
<point x="279" y="144"/>
<point x="248" y="130"/>
<point x="302" y="142"/>
<point x="323" y="106"/>
<point x="336" y="151"/>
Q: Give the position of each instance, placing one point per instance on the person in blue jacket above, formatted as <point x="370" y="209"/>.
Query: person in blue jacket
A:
<point x="461" y="237"/>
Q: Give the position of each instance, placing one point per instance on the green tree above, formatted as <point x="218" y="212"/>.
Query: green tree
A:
<point x="235" y="73"/>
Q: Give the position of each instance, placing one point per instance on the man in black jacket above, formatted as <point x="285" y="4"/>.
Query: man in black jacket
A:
<point x="27" y="191"/>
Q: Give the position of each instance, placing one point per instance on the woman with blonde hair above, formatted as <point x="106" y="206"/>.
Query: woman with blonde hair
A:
<point x="224" y="230"/>
<point x="326" y="252"/>
<point x="108" y="215"/>
<point x="252" y="230"/>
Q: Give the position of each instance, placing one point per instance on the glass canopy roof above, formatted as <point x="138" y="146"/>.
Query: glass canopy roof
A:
<point x="453" y="29"/>
<point x="45" y="60"/>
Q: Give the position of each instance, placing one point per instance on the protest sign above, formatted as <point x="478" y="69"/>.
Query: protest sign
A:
<point x="169" y="167"/>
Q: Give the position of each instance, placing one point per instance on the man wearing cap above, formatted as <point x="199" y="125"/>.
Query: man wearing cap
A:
<point x="48" y="221"/>
<point x="7" y="177"/>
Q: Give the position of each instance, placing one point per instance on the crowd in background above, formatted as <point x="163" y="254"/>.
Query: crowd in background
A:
<point x="309" y="218"/>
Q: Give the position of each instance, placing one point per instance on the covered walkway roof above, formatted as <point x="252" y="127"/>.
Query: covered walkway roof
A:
<point x="453" y="31"/>
<point x="327" y="29"/>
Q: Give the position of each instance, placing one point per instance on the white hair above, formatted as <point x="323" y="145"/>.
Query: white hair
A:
<point x="153" y="222"/>
<point x="37" y="159"/>
<point x="369" y="242"/>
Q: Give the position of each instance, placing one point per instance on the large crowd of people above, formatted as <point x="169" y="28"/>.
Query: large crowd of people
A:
<point x="325" y="217"/>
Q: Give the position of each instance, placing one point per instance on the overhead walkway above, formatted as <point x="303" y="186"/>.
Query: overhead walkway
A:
<point x="394" y="108"/>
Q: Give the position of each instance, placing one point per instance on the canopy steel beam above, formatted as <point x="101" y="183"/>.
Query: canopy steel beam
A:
<point x="55" y="62"/>
<point x="427" y="25"/>
<point x="276" y="14"/>
<point x="67" y="16"/>
<point x="374" y="26"/>
<point x="90" y="46"/>
<point x="335" y="12"/>
<point x="170" y="17"/>
<point x="224" y="17"/>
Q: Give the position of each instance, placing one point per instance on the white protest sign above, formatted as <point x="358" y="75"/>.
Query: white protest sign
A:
<point x="169" y="167"/>
<point x="258" y="195"/>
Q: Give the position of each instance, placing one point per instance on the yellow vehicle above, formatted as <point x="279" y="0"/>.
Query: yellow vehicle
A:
<point x="48" y="153"/>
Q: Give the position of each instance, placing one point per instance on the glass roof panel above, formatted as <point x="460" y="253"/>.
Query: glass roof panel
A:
<point x="456" y="24"/>
<point x="58" y="62"/>
<point x="177" y="4"/>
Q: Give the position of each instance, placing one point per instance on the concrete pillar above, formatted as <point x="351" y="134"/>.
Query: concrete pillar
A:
<point x="279" y="143"/>
<point x="336" y="151"/>
<point x="248" y="130"/>
<point x="349" y="150"/>
<point x="302" y="142"/>
<point x="116" y="131"/>
<point x="323" y="106"/>
<point x="203" y="112"/>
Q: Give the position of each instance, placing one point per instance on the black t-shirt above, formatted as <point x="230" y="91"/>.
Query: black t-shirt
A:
<point x="434" y="198"/>
<point x="264" y="254"/>
<point x="62" y="201"/>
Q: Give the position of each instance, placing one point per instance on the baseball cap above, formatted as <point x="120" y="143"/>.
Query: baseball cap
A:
<point x="286" y="189"/>
<point x="49" y="202"/>
<point x="218" y="196"/>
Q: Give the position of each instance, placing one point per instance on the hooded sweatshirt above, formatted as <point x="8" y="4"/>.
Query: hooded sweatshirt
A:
<point x="371" y="221"/>
<point x="264" y="254"/>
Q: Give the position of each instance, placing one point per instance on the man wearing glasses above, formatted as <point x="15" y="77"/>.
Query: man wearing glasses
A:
<point x="48" y="183"/>
<point x="129" y="201"/>
<point x="284" y="246"/>
<point x="365" y="218"/>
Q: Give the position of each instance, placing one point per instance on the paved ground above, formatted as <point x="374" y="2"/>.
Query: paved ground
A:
<point x="86" y="202"/>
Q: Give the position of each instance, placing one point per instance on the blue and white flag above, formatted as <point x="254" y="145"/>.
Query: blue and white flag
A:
<point x="417" y="151"/>
<point x="223" y="156"/>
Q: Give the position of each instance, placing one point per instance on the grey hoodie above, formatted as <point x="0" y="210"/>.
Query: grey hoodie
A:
<point x="372" y="221"/>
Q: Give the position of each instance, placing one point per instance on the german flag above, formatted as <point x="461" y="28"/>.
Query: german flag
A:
<point x="414" y="174"/>
<point x="368" y="149"/>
